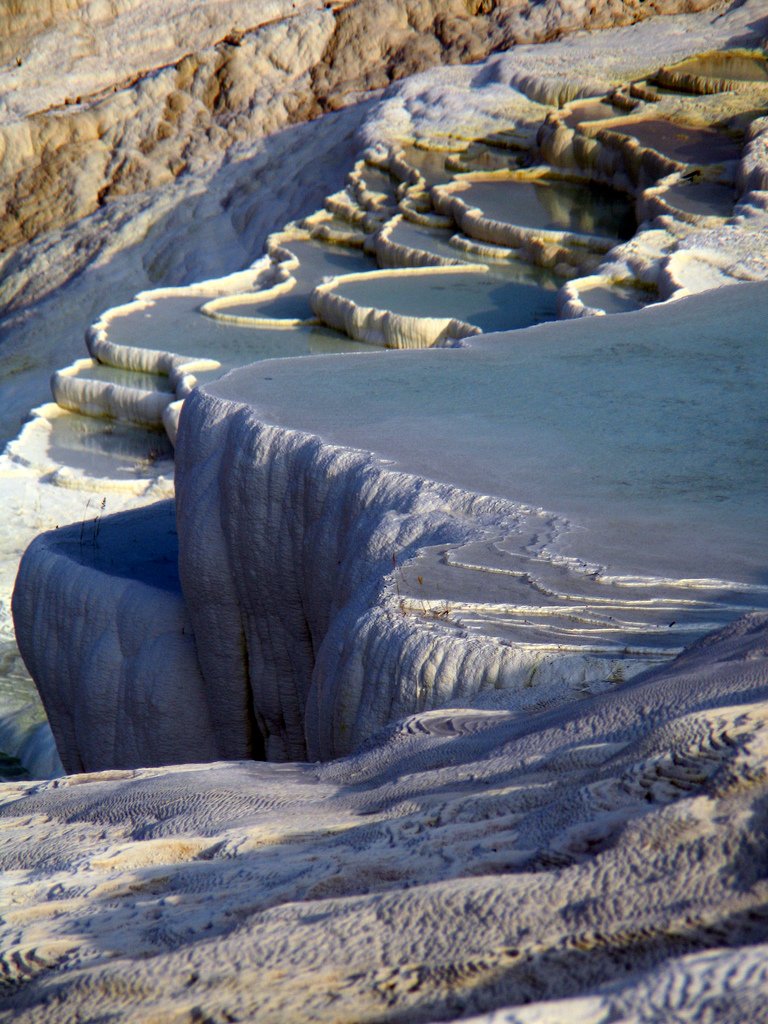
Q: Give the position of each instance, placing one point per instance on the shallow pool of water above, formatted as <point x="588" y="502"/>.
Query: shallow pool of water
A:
<point x="738" y="67"/>
<point x="705" y="198"/>
<point x="429" y="163"/>
<point x="175" y="324"/>
<point x="438" y="242"/>
<point x="483" y="157"/>
<point x="280" y="343"/>
<point x="321" y="259"/>
<point x="487" y="301"/>
<point x="681" y="142"/>
<point x="554" y="205"/>
<point x="292" y="305"/>
<point x="614" y="299"/>
<point x="380" y="182"/>
<point x="590" y="110"/>
<point x="106" y="448"/>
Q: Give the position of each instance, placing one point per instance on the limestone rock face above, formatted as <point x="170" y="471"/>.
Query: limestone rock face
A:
<point x="60" y="165"/>
<point x="86" y="33"/>
<point x="22" y="23"/>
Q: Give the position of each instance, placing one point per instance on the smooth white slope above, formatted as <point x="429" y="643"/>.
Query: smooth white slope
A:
<point x="310" y="609"/>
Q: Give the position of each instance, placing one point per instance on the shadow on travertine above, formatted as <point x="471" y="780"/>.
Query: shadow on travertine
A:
<point x="466" y="860"/>
<point x="142" y="713"/>
<point x="507" y="831"/>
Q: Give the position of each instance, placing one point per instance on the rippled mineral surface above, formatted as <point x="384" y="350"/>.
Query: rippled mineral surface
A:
<point x="394" y="588"/>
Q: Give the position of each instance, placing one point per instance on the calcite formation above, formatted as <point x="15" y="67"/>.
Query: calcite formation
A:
<point x="124" y="136"/>
<point x="492" y="611"/>
<point x="386" y="327"/>
<point x="148" y="355"/>
<point x="603" y="860"/>
<point x="311" y="571"/>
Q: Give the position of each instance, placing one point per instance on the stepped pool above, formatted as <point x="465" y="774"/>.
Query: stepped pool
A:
<point x="583" y="111"/>
<point x="91" y="370"/>
<point x="101" y="447"/>
<point x="630" y="447"/>
<point x="718" y="66"/>
<point x="233" y="345"/>
<point x="437" y="242"/>
<point x="553" y="205"/>
<point x="379" y="182"/>
<point x="645" y="432"/>
<point x="705" y="198"/>
<point x="430" y="163"/>
<point x="486" y="300"/>
<point x="175" y="322"/>
<point x="684" y="143"/>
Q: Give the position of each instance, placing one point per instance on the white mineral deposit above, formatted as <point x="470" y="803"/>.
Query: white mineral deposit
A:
<point x="383" y="590"/>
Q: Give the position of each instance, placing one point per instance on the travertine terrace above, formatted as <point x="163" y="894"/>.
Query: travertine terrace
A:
<point x="391" y="685"/>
